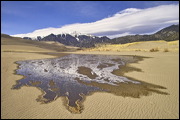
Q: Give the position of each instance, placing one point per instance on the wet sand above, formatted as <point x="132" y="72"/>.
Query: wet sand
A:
<point x="75" y="80"/>
<point x="161" y="69"/>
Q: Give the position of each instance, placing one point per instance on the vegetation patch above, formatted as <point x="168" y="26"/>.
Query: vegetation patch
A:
<point x="154" y="50"/>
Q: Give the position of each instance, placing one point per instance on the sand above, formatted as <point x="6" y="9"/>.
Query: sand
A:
<point x="162" y="69"/>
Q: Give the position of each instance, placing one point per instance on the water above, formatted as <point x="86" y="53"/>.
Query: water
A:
<point x="75" y="76"/>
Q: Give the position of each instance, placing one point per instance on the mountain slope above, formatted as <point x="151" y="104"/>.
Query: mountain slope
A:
<point x="170" y="33"/>
<point x="76" y="40"/>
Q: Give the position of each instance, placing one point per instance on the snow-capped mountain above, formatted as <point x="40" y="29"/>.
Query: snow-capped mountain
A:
<point x="169" y="33"/>
<point x="47" y="31"/>
<point x="72" y="39"/>
<point x="66" y="37"/>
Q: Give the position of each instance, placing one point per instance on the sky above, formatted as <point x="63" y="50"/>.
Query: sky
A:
<point x="100" y="18"/>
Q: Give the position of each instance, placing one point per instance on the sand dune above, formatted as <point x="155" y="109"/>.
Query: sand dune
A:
<point x="161" y="69"/>
<point x="18" y="44"/>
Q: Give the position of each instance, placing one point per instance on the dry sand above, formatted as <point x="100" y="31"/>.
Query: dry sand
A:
<point x="162" y="69"/>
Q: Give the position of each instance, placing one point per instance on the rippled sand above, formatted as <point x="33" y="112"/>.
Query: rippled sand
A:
<point x="162" y="69"/>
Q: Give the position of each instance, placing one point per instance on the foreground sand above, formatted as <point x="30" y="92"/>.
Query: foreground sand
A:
<point x="162" y="69"/>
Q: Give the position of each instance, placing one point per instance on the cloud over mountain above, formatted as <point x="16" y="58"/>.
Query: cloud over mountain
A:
<point x="128" y="21"/>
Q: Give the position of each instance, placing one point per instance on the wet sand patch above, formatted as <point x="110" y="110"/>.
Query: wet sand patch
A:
<point x="87" y="71"/>
<point x="75" y="77"/>
<point x="101" y="66"/>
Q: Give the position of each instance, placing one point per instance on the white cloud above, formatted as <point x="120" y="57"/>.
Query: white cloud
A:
<point x="119" y="35"/>
<point x="128" y="21"/>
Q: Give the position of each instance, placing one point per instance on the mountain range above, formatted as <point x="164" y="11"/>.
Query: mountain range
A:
<point x="168" y="34"/>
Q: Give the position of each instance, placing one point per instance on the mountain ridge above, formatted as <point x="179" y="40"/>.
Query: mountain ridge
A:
<point x="168" y="34"/>
<point x="78" y="40"/>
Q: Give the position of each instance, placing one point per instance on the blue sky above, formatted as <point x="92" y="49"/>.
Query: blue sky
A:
<point x="20" y="17"/>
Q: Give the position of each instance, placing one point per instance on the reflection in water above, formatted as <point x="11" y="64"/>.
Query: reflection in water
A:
<point x="75" y="76"/>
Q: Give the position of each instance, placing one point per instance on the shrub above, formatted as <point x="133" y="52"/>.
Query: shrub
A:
<point x="166" y="50"/>
<point x="154" y="50"/>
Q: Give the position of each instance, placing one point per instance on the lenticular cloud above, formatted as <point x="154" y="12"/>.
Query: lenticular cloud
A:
<point x="131" y="21"/>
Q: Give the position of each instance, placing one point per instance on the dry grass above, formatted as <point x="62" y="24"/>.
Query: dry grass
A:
<point x="174" y="42"/>
<point x="145" y="46"/>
